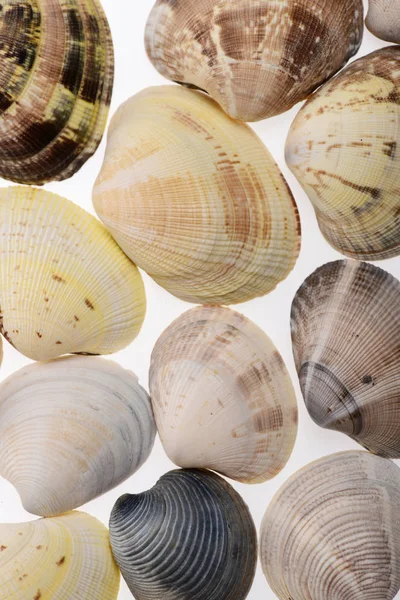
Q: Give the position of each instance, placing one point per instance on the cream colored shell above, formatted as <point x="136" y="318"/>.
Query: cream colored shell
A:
<point x="222" y="396"/>
<point x="195" y="199"/>
<point x="383" y="19"/>
<point x="70" y="430"/>
<point x="65" y="558"/>
<point x="344" y="148"/>
<point x="332" y="531"/>
<point x="65" y="286"/>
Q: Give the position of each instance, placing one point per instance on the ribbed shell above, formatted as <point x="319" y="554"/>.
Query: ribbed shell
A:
<point x="195" y="198"/>
<point x="344" y="148"/>
<point x="65" y="286"/>
<point x="222" y="396"/>
<point x="65" y="558"/>
<point x="257" y="58"/>
<point x="71" y="430"/>
<point x="383" y="19"/>
<point x="56" y="78"/>
<point x="332" y="532"/>
<point x="345" y="332"/>
<point x="191" y="537"/>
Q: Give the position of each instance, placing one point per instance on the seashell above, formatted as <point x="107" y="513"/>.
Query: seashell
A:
<point x="344" y="148"/>
<point x="65" y="558"/>
<point x="65" y="285"/>
<point x="71" y="430"/>
<point x="333" y="531"/>
<point x="345" y="332"/>
<point x="222" y="396"/>
<point x="257" y="58"/>
<point x="195" y="199"/>
<point x="190" y="536"/>
<point x="383" y="19"/>
<point x="57" y="69"/>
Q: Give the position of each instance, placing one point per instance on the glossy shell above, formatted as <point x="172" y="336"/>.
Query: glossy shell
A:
<point x="195" y="199"/>
<point x="56" y="78"/>
<point x="65" y="285"/>
<point x="345" y="331"/>
<point x="190" y="536"/>
<point x="65" y="558"/>
<point x="333" y="531"/>
<point x="71" y="430"/>
<point x="383" y="19"/>
<point x="344" y="148"/>
<point x="257" y="58"/>
<point x="222" y="396"/>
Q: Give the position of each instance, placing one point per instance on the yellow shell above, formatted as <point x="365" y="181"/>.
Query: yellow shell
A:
<point x="57" y="69"/>
<point x="63" y="558"/>
<point x="257" y="58"/>
<point x="65" y="286"/>
<point x="195" y="199"/>
<point x="344" y="148"/>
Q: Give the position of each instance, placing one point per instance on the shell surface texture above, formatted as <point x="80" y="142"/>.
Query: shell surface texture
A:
<point x="70" y="430"/>
<point x="222" y="396"/>
<point x="65" y="285"/>
<point x="383" y="19"/>
<point x="64" y="558"/>
<point x="257" y="58"/>
<point x="344" y="148"/>
<point x="56" y="79"/>
<point x="195" y="199"/>
<point x="332" y="531"/>
<point x="191" y="537"/>
<point x="345" y="330"/>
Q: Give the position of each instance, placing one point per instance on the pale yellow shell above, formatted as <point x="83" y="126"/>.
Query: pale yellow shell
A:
<point x="65" y="285"/>
<point x="195" y="199"/>
<point x="64" y="558"/>
<point x="383" y="19"/>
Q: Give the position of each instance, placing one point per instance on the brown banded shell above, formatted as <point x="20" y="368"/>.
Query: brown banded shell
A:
<point x="383" y="19"/>
<point x="345" y="331"/>
<point x="332" y="531"/>
<point x="257" y="58"/>
<point x="195" y="199"/>
<point x="56" y="78"/>
<point x="344" y="148"/>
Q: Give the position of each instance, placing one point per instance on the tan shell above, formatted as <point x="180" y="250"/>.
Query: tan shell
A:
<point x="257" y="58"/>
<point x="383" y="19"/>
<point x="65" y="286"/>
<point x="344" y="148"/>
<point x="332" y="532"/>
<point x="195" y="199"/>
<point x="222" y="396"/>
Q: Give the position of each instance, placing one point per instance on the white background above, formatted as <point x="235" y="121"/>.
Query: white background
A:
<point x="133" y="73"/>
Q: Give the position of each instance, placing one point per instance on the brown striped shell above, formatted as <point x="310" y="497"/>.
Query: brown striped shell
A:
<point x="56" y="78"/>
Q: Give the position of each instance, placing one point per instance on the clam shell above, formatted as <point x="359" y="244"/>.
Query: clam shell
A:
<point x="333" y="531"/>
<point x="345" y="332"/>
<point x="65" y="285"/>
<point x="195" y="198"/>
<point x="344" y="148"/>
<point x="257" y="58"/>
<point x="65" y="558"/>
<point x="71" y="430"/>
<point x="57" y="68"/>
<point x="222" y="396"/>
<point x="190" y="536"/>
<point x="383" y="19"/>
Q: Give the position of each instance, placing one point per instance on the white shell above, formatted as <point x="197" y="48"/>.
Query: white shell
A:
<point x="383" y="19"/>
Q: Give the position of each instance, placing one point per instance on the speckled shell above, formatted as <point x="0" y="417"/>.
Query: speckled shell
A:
<point x="383" y="19"/>
<point x="345" y="330"/>
<point x="257" y="58"/>
<point x="190" y="537"/>
<point x="344" y="148"/>
<point x="70" y="430"/>
<point x="195" y="198"/>
<point x="222" y="396"/>
<point x="56" y="78"/>
<point x="65" y="285"/>
<point x="332" y="532"/>
<point x="65" y="558"/>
